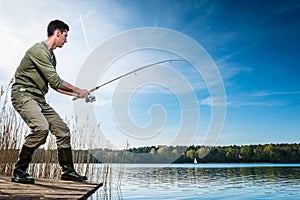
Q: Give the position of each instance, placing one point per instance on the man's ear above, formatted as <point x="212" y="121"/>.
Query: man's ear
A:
<point x="57" y="32"/>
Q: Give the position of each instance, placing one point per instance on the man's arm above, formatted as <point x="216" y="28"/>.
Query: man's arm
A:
<point x="68" y="89"/>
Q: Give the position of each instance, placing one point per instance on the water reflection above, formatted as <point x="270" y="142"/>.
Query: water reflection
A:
<point x="188" y="182"/>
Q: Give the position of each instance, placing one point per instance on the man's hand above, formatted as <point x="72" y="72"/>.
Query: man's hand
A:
<point x="71" y="90"/>
<point x="82" y="93"/>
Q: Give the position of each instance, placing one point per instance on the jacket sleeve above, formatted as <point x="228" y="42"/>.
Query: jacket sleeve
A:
<point x="42" y="60"/>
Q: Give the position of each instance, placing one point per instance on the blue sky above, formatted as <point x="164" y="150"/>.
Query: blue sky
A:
<point x="254" y="44"/>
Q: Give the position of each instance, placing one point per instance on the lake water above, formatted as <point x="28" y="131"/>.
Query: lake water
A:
<point x="201" y="181"/>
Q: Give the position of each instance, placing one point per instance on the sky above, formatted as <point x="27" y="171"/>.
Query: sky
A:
<point x="252" y="48"/>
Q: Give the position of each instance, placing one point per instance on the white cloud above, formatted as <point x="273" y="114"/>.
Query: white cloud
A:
<point x="213" y="101"/>
<point x="269" y="93"/>
<point x="259" y="98"/>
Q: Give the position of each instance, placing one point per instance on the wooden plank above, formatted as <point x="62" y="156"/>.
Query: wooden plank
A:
<point x="46" y="189"/>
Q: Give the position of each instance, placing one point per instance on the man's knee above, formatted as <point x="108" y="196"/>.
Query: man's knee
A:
<point x="41" y="127"/>
<point x="41" y="131"/>
<point x="36" y="139"/>
<point x="44" y="134"/>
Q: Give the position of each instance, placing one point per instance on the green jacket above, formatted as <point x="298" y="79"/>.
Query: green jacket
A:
<point x="36" y="71"/>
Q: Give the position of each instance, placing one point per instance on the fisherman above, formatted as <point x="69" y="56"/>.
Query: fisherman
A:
<point x="36" y="72"/>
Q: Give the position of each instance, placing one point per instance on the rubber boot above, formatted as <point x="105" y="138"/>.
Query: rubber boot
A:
<point x="20" y="174"/>
<point x="66" y="162"/>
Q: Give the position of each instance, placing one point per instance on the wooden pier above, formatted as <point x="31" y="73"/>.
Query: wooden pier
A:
<point x="46" y="189"/>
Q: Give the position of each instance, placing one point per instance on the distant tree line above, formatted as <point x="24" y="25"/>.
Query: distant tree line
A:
<point x="267" y="153"/>
<point x="271" y="153"/>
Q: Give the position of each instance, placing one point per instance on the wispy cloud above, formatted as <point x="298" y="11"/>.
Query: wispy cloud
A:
<point x="84" y="32"/>
<point x="230" y="70"/>
<point x="215" y="101"/>
<point x="270" y="93"/>
<point x="245" y="103"/>
<point x="250" y="99"/>
<point x="238" y="51"/>
<point x="260" y="98"/>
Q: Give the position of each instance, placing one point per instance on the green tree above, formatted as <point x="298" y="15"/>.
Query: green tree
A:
<point x="246" y="153"/>
<point x="191" y="154"/>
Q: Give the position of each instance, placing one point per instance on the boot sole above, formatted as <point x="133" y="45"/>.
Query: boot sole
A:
<point x="25" y="181"/>
<point x="71" y="179"/>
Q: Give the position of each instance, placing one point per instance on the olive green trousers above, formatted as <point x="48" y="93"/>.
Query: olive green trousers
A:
<point x="40" y="118"/>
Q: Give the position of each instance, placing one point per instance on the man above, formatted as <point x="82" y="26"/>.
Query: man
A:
<point x="33" y="76"/>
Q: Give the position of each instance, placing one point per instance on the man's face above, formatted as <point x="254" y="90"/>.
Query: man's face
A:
<point x="61" y="38"/>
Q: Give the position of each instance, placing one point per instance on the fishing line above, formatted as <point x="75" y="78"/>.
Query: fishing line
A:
<point x="92" y="98"/>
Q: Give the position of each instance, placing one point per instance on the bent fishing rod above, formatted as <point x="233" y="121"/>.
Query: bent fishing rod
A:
<point x="91" y="98"/>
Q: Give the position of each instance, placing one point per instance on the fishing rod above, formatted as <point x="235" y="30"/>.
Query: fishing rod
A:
<point x="91" y="98"/>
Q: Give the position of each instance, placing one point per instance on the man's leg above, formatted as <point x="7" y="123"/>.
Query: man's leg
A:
<point x="66" y="162"/>
<point x="20" y="173"/>
<point x="30" y="111"/>
<point x="60" y="129"/>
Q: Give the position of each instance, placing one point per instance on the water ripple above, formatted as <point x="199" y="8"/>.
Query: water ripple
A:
<point x="186" y="182"/>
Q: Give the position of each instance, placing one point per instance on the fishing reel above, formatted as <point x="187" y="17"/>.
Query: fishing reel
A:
<point x="90" y="99"/>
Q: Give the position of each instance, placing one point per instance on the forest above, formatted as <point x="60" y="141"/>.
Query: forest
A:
<point x="267" y="153"/>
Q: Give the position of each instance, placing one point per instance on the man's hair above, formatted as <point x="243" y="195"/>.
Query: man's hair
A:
<point x="56" y="24"/>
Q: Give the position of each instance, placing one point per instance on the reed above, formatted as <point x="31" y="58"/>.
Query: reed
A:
<point x="10" y="127"/>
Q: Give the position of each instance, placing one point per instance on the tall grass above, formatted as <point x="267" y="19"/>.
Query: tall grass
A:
<point x="10" y="127"/>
